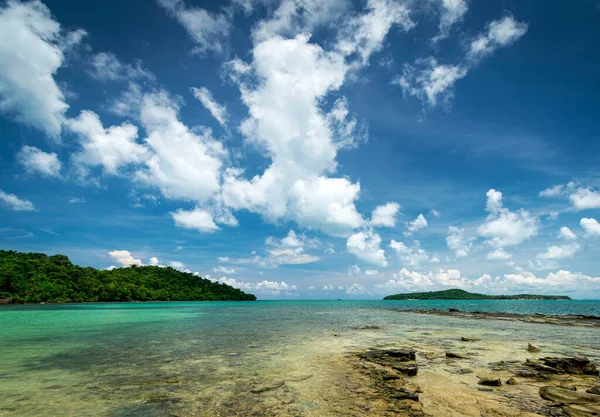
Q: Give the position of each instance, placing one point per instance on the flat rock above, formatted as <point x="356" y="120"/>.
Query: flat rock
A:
<point x="490" y="382"/>
<point x="264" y="388"/>
<point x="567" y="396"/>
<point x="453" y="355"/>
<point x="578" y="365"/>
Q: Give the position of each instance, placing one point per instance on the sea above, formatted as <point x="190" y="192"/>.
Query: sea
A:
<point x="262" y="358"/>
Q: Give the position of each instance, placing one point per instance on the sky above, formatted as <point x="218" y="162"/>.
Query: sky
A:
<point x="302" y="149"/>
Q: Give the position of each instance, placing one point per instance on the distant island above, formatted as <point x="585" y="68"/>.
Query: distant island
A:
<point x="456" y="294"/>
<point x="37" y="277"/>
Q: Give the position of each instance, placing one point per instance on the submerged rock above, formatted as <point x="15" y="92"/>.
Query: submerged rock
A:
<point x="265" y="388"/>
<point x="511" y="381"/>
<point x="532" y="348"/>
<point x="490" y="382"/>
<point x="453" y="355"/>
<point x="469" y="339"/>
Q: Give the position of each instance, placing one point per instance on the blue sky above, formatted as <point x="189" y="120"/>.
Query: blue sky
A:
<point x="306" y="149"/>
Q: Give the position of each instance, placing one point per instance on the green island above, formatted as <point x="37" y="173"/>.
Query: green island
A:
<point x="456" y="294"/>
<point x="37" y="277"/>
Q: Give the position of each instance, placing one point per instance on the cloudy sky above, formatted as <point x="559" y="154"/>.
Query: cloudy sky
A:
<point x="304" y="148"/>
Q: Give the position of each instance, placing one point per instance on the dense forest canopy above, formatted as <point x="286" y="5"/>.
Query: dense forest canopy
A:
<point x="36" y="277"/>
<point x="456" y="294"/>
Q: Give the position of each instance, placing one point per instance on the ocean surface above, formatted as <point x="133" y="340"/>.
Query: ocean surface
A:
<point x="214" y="359"/>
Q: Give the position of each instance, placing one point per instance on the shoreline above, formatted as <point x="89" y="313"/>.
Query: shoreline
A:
<point x="555" y="319"/>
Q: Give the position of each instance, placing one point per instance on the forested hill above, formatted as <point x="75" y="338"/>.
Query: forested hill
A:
<point x="36" y="277"/>
<point x="456" y="294"/>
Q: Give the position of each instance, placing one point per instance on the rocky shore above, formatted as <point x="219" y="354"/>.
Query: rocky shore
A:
<point x="419" y="382"/>
<point x="564" y="320"/>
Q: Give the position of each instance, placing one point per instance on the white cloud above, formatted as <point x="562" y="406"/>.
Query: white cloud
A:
<point x="413" y="256"/>
<point x="105" y="66"/>
<point x="184" y="164"/>
<point x="208" y="30"/>
<point x="365" y="245"/>
<point x="288" y="251"/>
<point x="504" y="227"/>
<point x="224" y="270"/>
<point x="500" y="33"/>
<point x="371" y="272"/>
<point x="435" y="213"/>
<point x="218" y="111"/>
<point x="559" y="252"/>
<point x="154" y="261"/>
<point x="385" y="215"/>
<point x="585" y="198"/>
<point x="458" y="242"/>
<point x="554" y="191"/>
<point x="364" y="34"/>
<point x="498" y="255"/>
<point x="177" y="265"/>
<point x="77" y="200"/>
<point x="284" y="89"/>
<point x="128" y="103"/>
<point x="451" y="12"/>
<point x="354" y="270"/>
<point x="32" y="48"/>
<point x="270" y="287"/>
<point x="297" y="16"/>
<point x="591" y="226"/>
<point x="567" y="234"/>
<point x="223" y="258"/>
<point x="124" y="257"/>
<point x="36" y="161"/>
<point x="417" y="224"/>
<point x="196" y="219"/>
<point x="357" y="289"/>
<point x="15" y="203"/>
<point x="111" y="148"/>
<point x="432" y="82"/>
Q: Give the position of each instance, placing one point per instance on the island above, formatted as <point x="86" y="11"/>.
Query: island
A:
<point x="37" y="278"/>
<point x="457" y="294"/>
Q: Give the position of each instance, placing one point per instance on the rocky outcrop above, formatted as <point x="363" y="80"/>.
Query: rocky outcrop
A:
<point x="490" y="382"/>
<point x="531" y="348"/>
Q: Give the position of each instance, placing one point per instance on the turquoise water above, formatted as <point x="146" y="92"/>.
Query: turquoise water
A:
<point x="146" y="359"/>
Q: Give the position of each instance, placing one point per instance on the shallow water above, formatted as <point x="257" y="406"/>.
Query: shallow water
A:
<point x="209" y="359"/>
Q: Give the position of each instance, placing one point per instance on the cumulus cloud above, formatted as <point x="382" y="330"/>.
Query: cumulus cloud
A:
<point x="32" y="49"/>
<point x="413" y="255"/>
<point x="124" y="257"/>
<point x="15" y="203"/>
<point x="196" y="219"/>
<point x="567" y="234"/>
<point x="498" y="255"/>
<point x="154" y="261"/>
<point x="36" y="161"/>
<point x="458" y="241"/>
<point x="209" y="31"/>
<point x="354" y="270"/>
<point x="224" y="270"/>
<point x="417" y="224"/>
<point x="504" y="227"/>
<point x="357" y="289"/>
<point x="289" y="251"/>
<point x="554" y="191"/>
<point x="111" y="149"/>
<point x="365" y="245"/>
<point x="218" y="111"/>
<point x="560" y="252"/>
<point x="267" y="287"/>
<point x="385" y="215"/>
<point x="177" y="265"/>
<point x="585" y="198"/>
<point x="590" y="226"/>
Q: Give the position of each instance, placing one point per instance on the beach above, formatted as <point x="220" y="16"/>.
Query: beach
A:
<point x="303" y="358"/>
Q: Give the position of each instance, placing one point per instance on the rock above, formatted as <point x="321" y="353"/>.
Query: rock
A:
<point x="456" y="355"/>
<point x="533" y="375"/>
<point x="5" y="300"/>
<point x="594" y="390"/>
<point x="566" y="396"/>
<point x="453" y="310"/>
<point x="403" y="394"/>
<point x="464" y="371"/>
<point x="368" y="327"/>
<point x="490" y="382"/>
<point x="569" y="387"/>
<point x="397" y="355"/>
<point x="511" y="381"/>
<point x="532" y="348"/>
<point x="407" y="369"/>
<point x="469" y="339"/>
<point x="578" y="365"/>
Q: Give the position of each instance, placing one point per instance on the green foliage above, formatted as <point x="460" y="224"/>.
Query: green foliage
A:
<point x="36" y="277"/>
<point x="456" y="294"/>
